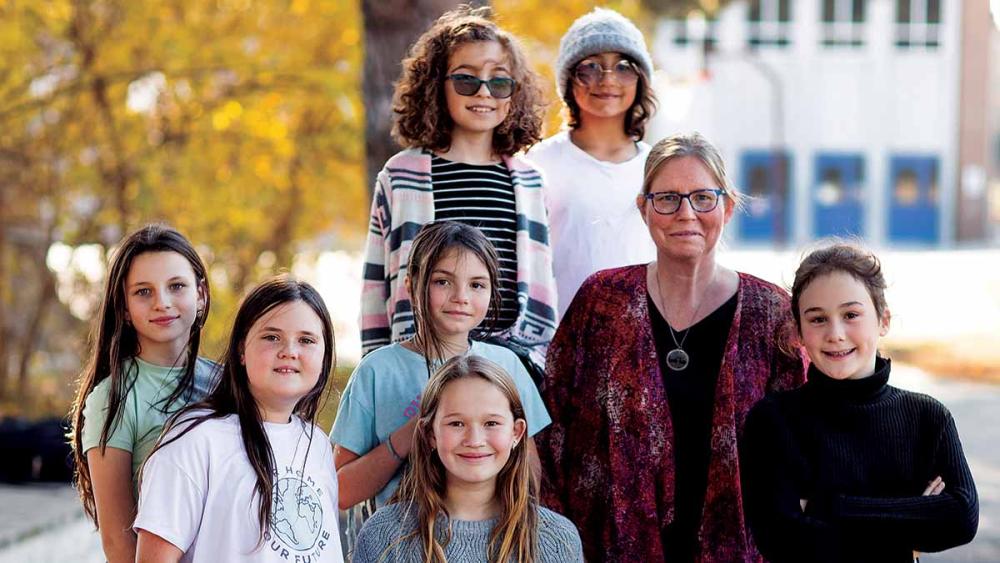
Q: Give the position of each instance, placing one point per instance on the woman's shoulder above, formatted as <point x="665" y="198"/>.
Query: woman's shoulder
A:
<point x="624" y="278"/>
<point x="558" y="538"/>
<point x="761" y="288"/>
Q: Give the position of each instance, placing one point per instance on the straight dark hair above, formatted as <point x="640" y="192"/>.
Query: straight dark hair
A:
<point x="233" y="396"/>
<point x="114" y="341"/>
<point x="433" y="241"/>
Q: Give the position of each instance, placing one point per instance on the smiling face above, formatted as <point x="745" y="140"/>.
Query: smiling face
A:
<point x="283" y="355"/>
<point x="474" y="431"/>
<point x="458" y="294"/>
<point x="479" y="113"/>
<point x="608" y="97"/>
<point x="685" y="234"/>
<point x="162" y="300"/>
<point x="840" y="327"/>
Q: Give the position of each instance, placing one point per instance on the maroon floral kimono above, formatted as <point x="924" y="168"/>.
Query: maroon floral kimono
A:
<point x="607" y="458"/>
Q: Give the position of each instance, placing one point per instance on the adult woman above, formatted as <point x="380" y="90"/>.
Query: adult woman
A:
<point x="603" y="78"/>
<point x="652" y="372"/>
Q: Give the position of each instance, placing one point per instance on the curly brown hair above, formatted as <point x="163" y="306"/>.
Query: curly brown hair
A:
<point x="636" y="117"/>
<point x="420" y="111"/>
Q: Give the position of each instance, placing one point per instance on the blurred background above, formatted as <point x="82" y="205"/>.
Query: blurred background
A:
<point x="255" y="128"/>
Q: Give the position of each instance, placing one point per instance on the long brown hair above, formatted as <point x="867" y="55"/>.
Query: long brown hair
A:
<point x="419" y="107"/>
<point x="433" y="241"/>
<point x="233" y="396"/>
<point x="424" y="485"/>
<point x="114" y="341"/>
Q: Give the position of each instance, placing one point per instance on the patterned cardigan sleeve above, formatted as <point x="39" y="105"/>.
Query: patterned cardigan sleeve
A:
<point x="565" y="355"/>
<point x="375" y="315"/>
<point x="788" y="368"/>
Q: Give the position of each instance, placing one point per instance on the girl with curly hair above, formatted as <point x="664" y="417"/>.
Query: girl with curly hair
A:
<point x="603" y="76"/>
<point x="466" y="104"/>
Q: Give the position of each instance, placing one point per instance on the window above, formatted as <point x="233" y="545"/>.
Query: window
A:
<point x="914" y="201"/>
<point x="918" y="23"/>
<point x="766" y="177"/>
<point x="838" y="194"/>
<point x="843" y="23"/>
<point x="696" y="30"/>
<point x="770" y="23"/>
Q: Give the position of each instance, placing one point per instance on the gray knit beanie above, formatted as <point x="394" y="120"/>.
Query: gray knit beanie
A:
<point x="600" y="31"/>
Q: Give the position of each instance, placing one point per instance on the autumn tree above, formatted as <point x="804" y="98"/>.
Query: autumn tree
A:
<point x="238" y="122"/>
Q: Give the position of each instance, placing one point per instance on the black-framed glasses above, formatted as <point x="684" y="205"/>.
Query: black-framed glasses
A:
<point x="702" y="201"/>
<point x="590" y="73"/>
<point x="500" y="87"/>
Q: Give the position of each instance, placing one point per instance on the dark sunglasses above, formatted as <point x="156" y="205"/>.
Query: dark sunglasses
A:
<point x="500" y="87"/>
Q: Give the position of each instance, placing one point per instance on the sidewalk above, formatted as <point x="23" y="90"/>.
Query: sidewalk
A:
<point x="44" y="523"/>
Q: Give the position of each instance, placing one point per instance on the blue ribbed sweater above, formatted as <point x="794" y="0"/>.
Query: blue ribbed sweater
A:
<point x="558" y="540"/>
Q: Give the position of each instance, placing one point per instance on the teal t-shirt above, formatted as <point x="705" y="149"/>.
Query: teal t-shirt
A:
<point x="142" y="412"/>
<point x="384" y="392"/>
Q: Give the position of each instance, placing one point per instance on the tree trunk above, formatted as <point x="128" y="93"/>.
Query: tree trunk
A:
<point x="391" y="26"/>
<point x="46" y="295"/>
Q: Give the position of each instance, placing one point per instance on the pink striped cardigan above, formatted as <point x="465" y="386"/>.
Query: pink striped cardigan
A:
<point x="403" y="202"/>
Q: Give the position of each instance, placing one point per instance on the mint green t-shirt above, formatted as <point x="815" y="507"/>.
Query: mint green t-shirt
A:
<point x="142" y="412"/>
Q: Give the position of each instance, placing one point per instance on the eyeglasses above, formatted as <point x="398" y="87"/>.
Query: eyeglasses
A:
<point x="702" y="201"/>
<point x="500" y="87"/>
<point x="590" y="73"/>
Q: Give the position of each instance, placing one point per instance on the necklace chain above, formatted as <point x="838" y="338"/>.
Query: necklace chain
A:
<point x="663" y="302"/>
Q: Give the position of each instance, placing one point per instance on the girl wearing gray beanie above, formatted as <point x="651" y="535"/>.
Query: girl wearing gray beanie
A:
<point x="593" y="169"/>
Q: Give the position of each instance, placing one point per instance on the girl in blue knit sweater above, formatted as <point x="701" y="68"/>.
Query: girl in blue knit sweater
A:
<point x="468" y="494"/>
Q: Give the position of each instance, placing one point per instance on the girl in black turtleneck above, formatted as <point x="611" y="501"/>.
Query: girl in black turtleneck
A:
<point x="847" y="467"/>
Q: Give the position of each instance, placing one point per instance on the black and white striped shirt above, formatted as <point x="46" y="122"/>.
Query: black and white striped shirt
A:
<point x="482" y="196"/>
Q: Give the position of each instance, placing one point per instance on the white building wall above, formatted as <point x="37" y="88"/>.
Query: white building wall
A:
<point x="877" y="100"/>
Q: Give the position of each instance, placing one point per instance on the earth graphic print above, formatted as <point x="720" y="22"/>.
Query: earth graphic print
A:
<point x="297" y="514"/>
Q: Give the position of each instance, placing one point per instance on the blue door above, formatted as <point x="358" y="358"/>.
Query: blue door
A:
<point x="838" y="195"/>
<point x="766" y="177"/>
<point x="914" y="199"/>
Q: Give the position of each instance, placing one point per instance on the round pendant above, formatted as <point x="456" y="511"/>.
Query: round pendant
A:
<point x="677" y="359"/>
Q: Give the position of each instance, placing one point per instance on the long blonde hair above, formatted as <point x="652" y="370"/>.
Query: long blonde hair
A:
<point x="424" y="485"/>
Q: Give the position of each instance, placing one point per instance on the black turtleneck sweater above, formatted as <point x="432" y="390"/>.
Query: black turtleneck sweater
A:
<point x="861" y="452"/>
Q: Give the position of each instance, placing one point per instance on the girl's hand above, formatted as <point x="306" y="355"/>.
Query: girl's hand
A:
<point x="803" y="502"/>
<point x="361" y="477"/>
<point x="934" y="487"/>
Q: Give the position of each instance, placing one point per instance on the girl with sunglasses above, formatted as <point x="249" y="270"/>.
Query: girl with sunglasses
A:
<point x="466" y="103"/>
<point x="603" y="77"/>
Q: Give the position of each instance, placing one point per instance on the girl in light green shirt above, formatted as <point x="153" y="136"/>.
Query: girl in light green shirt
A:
<point x="144" y="366"/>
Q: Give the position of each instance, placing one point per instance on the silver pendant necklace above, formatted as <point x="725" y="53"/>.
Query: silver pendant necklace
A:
<point x="678" y="359"/>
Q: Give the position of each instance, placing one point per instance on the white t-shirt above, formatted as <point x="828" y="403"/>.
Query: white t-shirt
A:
<point x="593" y="221"/>
<point x="198" y="494"/>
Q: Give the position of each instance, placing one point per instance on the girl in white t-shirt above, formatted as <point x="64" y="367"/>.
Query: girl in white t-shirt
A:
<point x="245" y="474"/>
<point x="593" y="170"/>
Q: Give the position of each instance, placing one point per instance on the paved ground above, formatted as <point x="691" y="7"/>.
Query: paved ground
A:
<point x="41" y="524"/>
